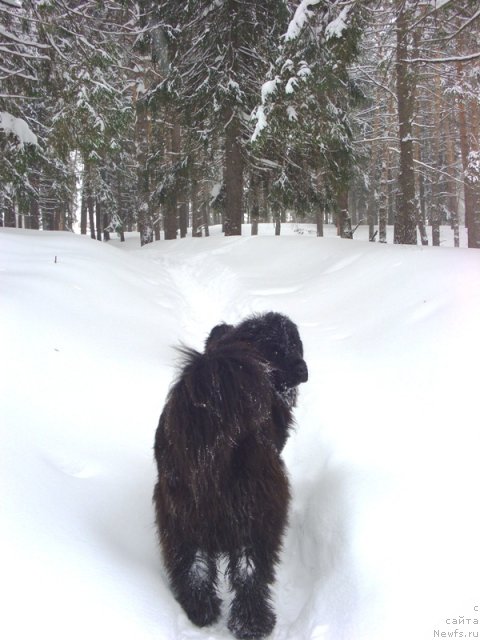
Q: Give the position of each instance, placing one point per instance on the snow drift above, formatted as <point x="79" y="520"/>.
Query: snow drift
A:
<point x="384" y="463"/>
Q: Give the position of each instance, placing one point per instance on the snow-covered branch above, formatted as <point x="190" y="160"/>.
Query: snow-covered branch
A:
<point x="26" y="43"/>
<point x="447" y="59"/>
<point x="431" y="168"/>
<point x="19" y="128"/>
<point x="304" y="12"/>
<point x="299" y="19"/>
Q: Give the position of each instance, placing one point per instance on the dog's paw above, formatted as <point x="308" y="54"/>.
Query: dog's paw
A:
<point x="251" y="620"/>
<point x="203" y="609"/>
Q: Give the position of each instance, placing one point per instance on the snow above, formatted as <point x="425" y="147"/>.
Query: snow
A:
<point x="300" y="18"/>
<point x="268" y="88"/>
<point x="261" y="122"/>
<point x="438" y="4"/>
<point x="215" y="190"/>
<point x="292" y="113"/>
<point x="384" y="462"/>
<point x="291" y="84"/>
<point x="473" y="170"/>
<point x="18" y="127"/>
<point x="337" y="26"/>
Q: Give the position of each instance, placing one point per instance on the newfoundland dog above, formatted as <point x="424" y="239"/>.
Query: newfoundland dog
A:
<point x="222" y="486"/>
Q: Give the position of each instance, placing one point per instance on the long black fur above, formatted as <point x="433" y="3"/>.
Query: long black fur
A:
<point x="222" y="486"/>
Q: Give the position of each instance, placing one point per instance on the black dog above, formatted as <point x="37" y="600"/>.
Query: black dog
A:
<point x="222" y="486"/>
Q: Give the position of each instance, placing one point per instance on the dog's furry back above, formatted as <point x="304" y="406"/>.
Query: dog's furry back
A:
<point x="220" y="472"/>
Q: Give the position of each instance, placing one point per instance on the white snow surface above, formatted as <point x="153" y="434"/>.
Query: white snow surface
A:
<point x="383" y="540"/>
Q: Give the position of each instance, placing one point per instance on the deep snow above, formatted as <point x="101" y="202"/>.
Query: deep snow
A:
<point x="384" y="531"/>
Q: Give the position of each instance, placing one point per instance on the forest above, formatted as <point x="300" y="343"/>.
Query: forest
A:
<point x="167" y="117"/>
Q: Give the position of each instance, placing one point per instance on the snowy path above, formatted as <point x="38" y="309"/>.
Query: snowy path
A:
<point x="210" y="291"/>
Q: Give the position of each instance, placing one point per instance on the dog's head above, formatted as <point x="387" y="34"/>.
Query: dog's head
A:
<point x="276" y="338"/>
<point x="284" y="349"/>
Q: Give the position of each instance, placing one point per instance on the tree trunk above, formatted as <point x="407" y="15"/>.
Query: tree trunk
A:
<point x="170" y="220"/>
<point x="34" y="222"/>
<point x="61" y="218"/>
<point x="142" y="139"/>
<point x="436" y="195"/>
<point x="278" y="222"/>
<point x="170" y="217"/>
<point x="420" y="189"/>
<point x="183" y="216"/>
<point x="34" y="218"/>
<point x="255" y="187"/>
<point x="98" y="218"/>
<point x="9" y="214"/>
<point x="372" y="199"/>
<point x="435" y="233"/>
<point x="91" y="215"/>
<point x="383" y="200"/>
<point x="344" y="222"/>
<point x="87" y="198"/>
<point x="371" y="217"/>
<point x="196" y="210"/>
<point x="474" y="179"/>
<point x="204" y="209"/>
<point x="452" y="189"/>
<point x="469" y="198"/>
<point x="406" y="218"/>
<point x="233" y="177"/>
<point x="420" y="205"/>
<point x="206" y="228"/>
<point x="319" y="217"/>
<point x="157" y="232"/>
<point x="180" y="183"/>
<point x="83" y="214"/>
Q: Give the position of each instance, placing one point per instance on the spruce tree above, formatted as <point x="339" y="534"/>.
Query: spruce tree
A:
<point x="303" y="124"/>
<point x="219" y="52"/>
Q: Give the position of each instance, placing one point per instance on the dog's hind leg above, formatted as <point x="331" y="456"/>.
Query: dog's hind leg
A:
<point x="251" y="571"/>
<point x="193" y="577"/>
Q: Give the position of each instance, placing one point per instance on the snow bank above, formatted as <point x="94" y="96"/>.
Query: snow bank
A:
<point x="383" y="536"/>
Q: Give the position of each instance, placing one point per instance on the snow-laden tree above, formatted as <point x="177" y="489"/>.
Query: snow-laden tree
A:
<point x="303" y="124"/>
<point x="218" y="53"/>
<point x="418" y="71"/>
